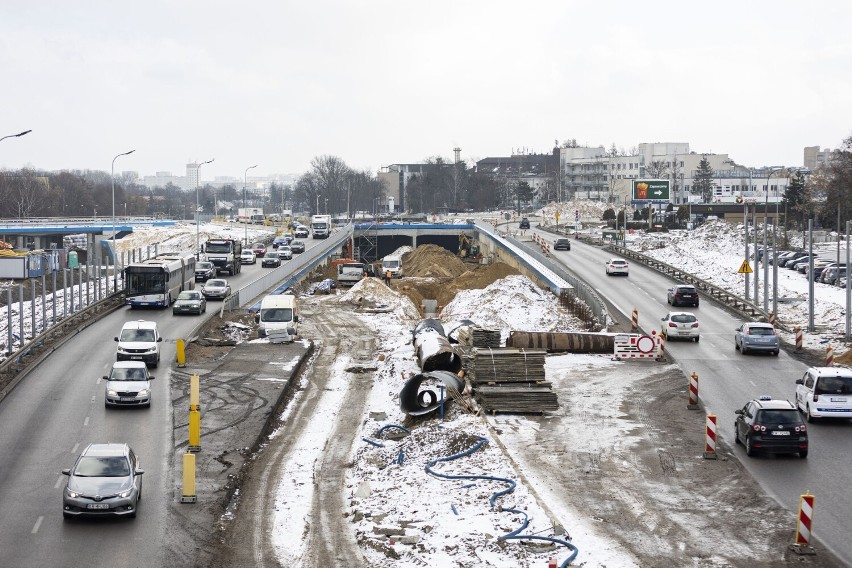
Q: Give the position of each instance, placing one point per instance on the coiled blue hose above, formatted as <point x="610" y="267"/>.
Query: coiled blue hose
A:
<point x="515" y="534"/>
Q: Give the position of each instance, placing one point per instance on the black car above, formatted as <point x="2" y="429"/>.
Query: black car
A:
<point x="272" y="259"/>
<point x="772" y="427"/>
<point x="297" y="247"/>
<point x="682" y="296"/>
<point x="562" y="244"/>
<point x="204" y="271"/>
<point x="524" y="224"/>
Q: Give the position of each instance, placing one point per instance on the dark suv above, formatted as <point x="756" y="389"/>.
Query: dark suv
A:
<point x="524" y="224"/>
<point x="562" y="244"/>
<point x="771" y="426"/>
<point x="683" y="296"/>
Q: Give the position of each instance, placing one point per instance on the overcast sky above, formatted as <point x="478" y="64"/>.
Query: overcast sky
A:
<point x="276" y="83"/>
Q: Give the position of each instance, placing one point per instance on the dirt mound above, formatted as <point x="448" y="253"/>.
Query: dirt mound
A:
<point x="483" y="276"/>
<point x="845" y="359"/>
<point x="432" y="260"/>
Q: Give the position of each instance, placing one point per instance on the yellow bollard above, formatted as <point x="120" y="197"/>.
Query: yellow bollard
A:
<point x="181" y="353"/>
<point x="188" y="479"/>
<point x="194" y="431"/>
<point x="194" y="391"/>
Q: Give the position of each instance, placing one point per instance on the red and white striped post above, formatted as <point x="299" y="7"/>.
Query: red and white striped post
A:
<point x="829" y="356"/>
<point x="551" y="563"/>
<point x="693" y="392"/>
<point x="798" y="331"/>
<point x="662" y="354"/>
<point x="634" y="321"/>
<point x="710" y="438"/>
<point x="804" y="525"/>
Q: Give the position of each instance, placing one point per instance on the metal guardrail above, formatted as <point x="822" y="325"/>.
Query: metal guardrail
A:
<point x="724" y="297"/>
<point x="582" y="290"/>
<point x="275" y="282"/>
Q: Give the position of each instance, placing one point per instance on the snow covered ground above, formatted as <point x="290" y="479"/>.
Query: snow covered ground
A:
<point x="714" y="252"/>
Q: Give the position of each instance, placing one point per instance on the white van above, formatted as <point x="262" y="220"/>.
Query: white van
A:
<point x="138" y="341"/>
<point x="278" y="313"/>
<point x="392" y="263"/>
<point x="825" y="392"/>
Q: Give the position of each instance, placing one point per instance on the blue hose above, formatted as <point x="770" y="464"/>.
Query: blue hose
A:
<point x="388" y="426"/>
<point x="515" y="534"/>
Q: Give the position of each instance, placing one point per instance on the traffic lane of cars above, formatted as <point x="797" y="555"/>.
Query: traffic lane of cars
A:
<point x="727" y="380"/>
<point x="58" y="412"/>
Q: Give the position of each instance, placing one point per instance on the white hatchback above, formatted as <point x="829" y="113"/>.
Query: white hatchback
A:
<point x="617" y="266"/>
<point x="681" y="325"/>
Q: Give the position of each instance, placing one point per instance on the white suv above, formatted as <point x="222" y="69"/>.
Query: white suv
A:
<point x="139" y="341"/>
<point x="825" y="392"/>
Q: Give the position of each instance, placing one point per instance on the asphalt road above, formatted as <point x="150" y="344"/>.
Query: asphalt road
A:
<point x="57" y="410"/>
<point x="727" y="380"/>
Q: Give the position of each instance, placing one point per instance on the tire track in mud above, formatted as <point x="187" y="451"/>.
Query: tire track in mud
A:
<point x="328" y="538"/>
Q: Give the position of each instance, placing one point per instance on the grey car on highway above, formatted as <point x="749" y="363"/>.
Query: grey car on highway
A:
<point x="106" y="480"/>
<point x="756" y="336"/>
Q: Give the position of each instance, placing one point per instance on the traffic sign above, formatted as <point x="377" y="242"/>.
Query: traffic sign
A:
<point x="745" y="268"/>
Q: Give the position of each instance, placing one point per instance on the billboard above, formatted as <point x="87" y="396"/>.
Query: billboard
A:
<point x="650" y="190"/>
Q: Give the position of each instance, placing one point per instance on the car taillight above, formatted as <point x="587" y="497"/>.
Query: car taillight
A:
<point x="695" y="324"/>
<point x="672" y="324"/>
<point x="758" y="428"/>
<point x="801" y="428"/>
<point x="816" y="397"/>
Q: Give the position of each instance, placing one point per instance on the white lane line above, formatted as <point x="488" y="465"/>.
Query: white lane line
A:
<point x="37" y="525"/>
<point x="86" y="421"/>
<point x="74" y="449"/>
<point x="93" y="399"/>
<point x="752" y="384"/>
<point x="58" y="482"/>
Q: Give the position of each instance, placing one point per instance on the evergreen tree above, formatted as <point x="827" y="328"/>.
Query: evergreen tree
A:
<point x="703" y="180"/>
<point x="794" y="197"/>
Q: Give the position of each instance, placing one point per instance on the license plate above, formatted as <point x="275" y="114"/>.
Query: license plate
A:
<point x="136" y="357"/>
<point x="126" y="398"/>
<point x="97" y="506"/>
<point x="832" y="399"/>
<point x="781" y="433"/>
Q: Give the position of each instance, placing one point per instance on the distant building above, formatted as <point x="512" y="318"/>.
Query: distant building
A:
<point x="814" y="157"/>
<point x="540" y="171"/>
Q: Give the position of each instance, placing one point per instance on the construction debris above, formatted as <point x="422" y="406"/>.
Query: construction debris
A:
<point x="510" y="380"/>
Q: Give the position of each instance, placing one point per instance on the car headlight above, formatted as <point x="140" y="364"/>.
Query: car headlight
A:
<point x="112" y="392"/>
<point x="125" y="494"/>
<point x="144" y="392"/>
<point x="72" y="494"/>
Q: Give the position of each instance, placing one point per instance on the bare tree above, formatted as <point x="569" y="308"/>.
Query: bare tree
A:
<point x="657" y="169"/>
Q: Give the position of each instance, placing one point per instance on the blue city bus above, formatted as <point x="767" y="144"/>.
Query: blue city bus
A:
<point x="158" y="281"/>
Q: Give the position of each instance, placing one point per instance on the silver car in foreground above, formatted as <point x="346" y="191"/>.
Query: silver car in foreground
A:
<point x="128" y="384"/>
<point x="106" y="480"/>
<point x="756" y="336"/>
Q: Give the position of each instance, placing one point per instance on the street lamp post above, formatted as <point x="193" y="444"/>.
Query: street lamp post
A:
<point x="197" y="210"/>
<point x="765" y="237"/>
<point x="318" y="209"/>
<point x="245" y="182"/>
<point x="18" y="135"/>
<point x="114" y="254"/>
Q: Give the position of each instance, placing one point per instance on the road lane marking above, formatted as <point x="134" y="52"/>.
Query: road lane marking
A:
<point x="38" y="524"/>
<point x="58" y="482"/>
<point x="74" y="449"/>
<point x="93" y="399"/>
<point x="86" y="421"/>
<point x="752" y="384"/>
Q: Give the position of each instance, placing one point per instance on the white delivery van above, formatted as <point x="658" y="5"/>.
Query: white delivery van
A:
<point x="350" y="273"/>
<point x="392" y="263"/>
<point x="279" y="314"/>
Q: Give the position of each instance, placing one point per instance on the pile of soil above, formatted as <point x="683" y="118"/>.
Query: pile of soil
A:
<point x="432" y="261"/>
<point x="434" y="273"/>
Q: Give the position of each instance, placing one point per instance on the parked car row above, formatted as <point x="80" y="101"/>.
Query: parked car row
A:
<point x="825" y="270"/>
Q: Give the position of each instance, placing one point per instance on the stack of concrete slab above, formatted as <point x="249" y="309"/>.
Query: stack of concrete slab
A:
<point x="510" y="380"/>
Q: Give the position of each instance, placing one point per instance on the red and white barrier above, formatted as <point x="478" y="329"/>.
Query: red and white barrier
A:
<point x="804" y="525"/>
<point x="634" y="321"/>
<point x="635" y="346"/>
<point x="798" y="331"/>
<point x="693" y="391"/>
<point x="710" y="438"/>
<point x="829" y="356"/>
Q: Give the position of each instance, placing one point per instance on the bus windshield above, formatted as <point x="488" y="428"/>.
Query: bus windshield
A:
<point x="143" y="283"/>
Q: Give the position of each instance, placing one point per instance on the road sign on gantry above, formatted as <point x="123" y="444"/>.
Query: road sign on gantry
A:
<point x="650" y="190"/>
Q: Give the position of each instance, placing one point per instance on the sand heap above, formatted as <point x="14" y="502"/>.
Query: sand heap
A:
<point x="432" y="261"/>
